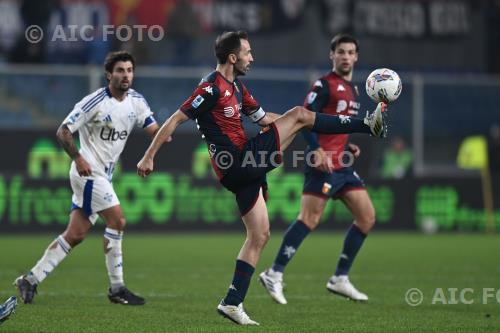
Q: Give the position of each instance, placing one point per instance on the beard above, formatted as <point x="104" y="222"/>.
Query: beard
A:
<point x="239" y="72"/>
<point x="343" y="71"/>
<point x="239" y="69"/>
<point x="124" y="87"/>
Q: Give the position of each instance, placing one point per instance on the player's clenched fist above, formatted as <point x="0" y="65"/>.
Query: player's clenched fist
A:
<point x="145" y="166"/>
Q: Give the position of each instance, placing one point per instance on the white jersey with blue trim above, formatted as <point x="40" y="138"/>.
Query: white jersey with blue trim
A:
<point x="104" y="125"/>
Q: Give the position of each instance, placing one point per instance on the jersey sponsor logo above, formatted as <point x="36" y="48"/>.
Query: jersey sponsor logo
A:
<point x="341" y="106"/>
<point x="227" y="93"/>
<point x="311" y="97"/>
<point x="209" y="90"/>
<point x="228" y="111"/>
<point x="340" y="87"/>
<point x="197" y="101"/>
<point x="318" y="83"/>
<point x="353" y="107"/>
<point x="110" y="134"/>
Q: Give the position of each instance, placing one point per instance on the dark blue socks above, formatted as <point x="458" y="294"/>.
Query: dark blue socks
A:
<point x="328" y="124"/>
<point x="352" y="243"/>
<point x="241" y="281"/>
<point x="291" y="241"/>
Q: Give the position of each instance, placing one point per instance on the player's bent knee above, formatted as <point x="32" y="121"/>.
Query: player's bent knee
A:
<point x="304" y="115"/>
<point x="310" y="218"/>
<point x="74" y="238"/>
<point x="298" y="113"/>
<point x="122" y="222"/>
<point x="366" y="222"/>
<point x="117" y="224"/>
<point x="311" y="222"/>
<point x="260" y="239"/>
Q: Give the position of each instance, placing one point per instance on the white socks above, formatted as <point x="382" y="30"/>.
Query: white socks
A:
<point x="54" y="254"/>
<point x="59" y="249"/>
<point x="113" y="254"/>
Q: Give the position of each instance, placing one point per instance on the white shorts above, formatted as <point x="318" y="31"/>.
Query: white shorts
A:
<point x="92" y="194"/>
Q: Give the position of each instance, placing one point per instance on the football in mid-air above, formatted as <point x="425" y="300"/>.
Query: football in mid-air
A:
<point x="383" y="85"/>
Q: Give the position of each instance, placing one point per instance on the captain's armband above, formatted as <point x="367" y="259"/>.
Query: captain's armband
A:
<point x="257" y="115"/>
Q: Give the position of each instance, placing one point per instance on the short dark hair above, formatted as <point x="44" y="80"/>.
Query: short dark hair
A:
<point x="227" y="43"/>
<point x="113" y="57"/>
<point x="343" y="38"/>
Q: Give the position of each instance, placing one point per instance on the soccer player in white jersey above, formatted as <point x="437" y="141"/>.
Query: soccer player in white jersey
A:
<point x="104" y="120"/>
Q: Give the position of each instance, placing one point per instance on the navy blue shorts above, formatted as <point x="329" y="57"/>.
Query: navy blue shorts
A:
<point x="331" y="185"/>
<point x="246" y="177"/>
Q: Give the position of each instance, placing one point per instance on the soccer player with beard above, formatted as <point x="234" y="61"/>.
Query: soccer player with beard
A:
<point x="240" y="163"/>
<point x="104" y="120"/>
<point x="332" y="94"/>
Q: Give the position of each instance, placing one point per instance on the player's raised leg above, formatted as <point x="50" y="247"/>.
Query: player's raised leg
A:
<point x="299" y="117"/>
<point x="115" y="224"/>
<point x="310" y="213"/>
<point x="75" y="233"/>
<point x="257" y="225"/>
<point x="361" y="207"/>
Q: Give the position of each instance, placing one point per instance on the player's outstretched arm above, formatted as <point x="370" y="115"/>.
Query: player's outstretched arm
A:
<point x="153" y="129"/>
<point x="145" y="165"/>
<point x="65" y="139"/>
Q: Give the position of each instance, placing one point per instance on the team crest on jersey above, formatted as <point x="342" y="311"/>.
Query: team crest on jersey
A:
<point x="209" y="90"/>
<point x="311" y="97"/>
<point x="340" y="87"/>
<point x="108" y="197"/>
<point x="197" y="101"/>
<point x="132" y="116"/>
<point x="227" y="93"/>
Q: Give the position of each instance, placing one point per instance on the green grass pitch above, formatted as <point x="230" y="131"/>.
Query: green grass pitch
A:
<point x="184" y="276"/>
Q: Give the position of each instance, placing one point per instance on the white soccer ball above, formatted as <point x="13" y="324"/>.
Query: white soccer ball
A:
<point x="383" y="85"/>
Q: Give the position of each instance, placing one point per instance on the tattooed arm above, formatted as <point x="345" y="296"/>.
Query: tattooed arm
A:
<point x="65" y="139"/>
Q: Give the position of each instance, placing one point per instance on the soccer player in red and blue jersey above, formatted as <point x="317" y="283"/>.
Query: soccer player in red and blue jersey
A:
<point x="331" y="177"/>
<point x="242" y="163"/>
